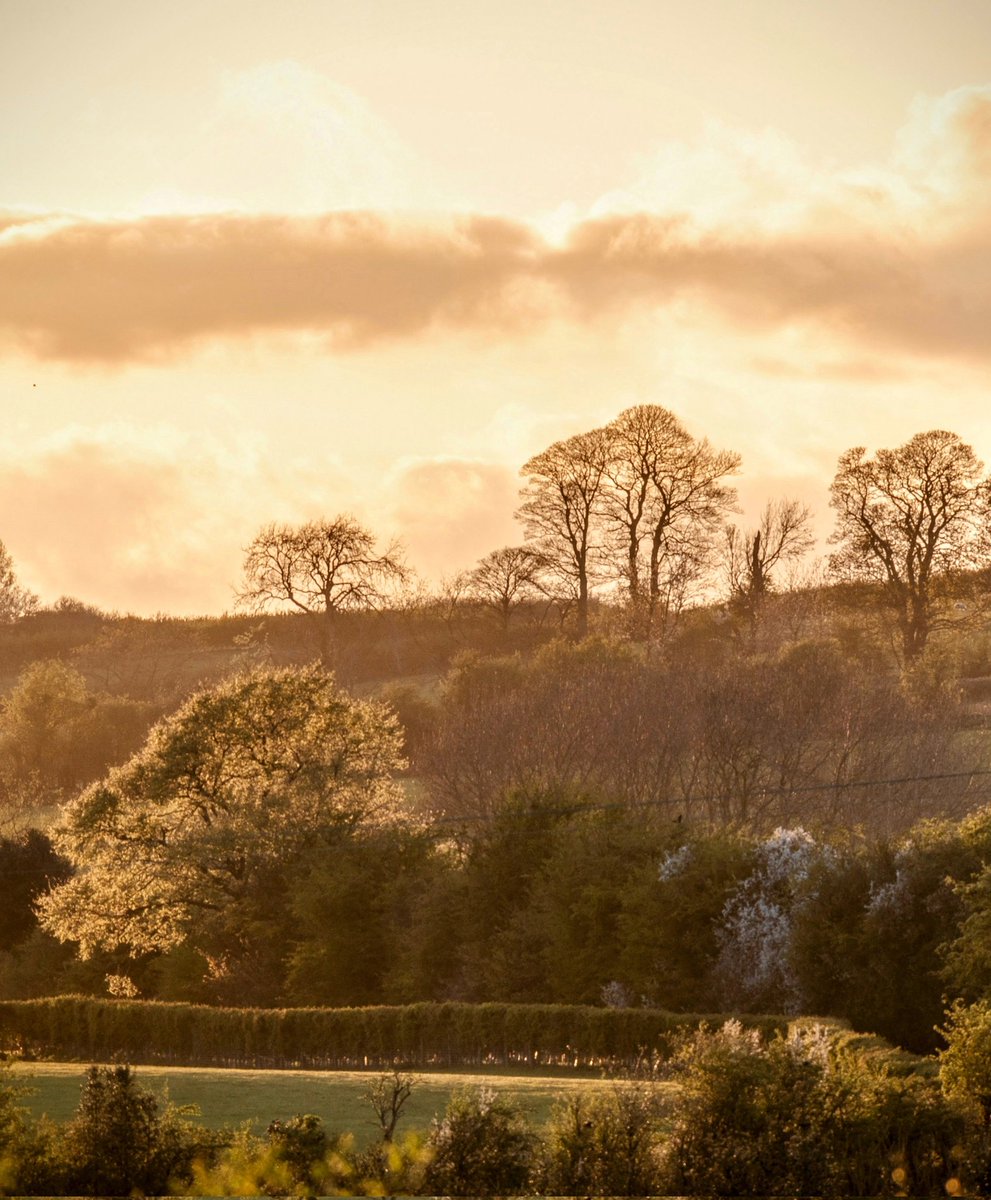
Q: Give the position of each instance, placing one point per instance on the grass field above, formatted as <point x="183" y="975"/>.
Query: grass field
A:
<point x="229" y="1097"/>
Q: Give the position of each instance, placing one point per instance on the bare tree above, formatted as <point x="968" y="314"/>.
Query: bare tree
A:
<point x="387" y="1094"/>
<point x="504" y="578"/>
<point x="15" y="601"/>
<point x="321" y="568"/>
<point x="664" y="500"/>
<point x="782" y="536"/>
<point x="560" y="505"/>
<point x="914" y="520"/>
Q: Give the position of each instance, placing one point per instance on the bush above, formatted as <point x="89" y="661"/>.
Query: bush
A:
<point x="480" y="1147"/>
<point x="604" y="1145"/>
<point x="23" y="1147"/>
<point x="118" y="1142"/>
<point x="965" y="1076"/>
<point x="794" y="1116"/>
<point x="301" y="1143"/>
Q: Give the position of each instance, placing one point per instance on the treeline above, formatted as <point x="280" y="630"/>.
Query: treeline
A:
<point x="541" y="818"/>
<point x="712" y="735"/>
<point x="808" y="1113"/>
<point x="556" y="899"/>
<point x="713" y="729"/>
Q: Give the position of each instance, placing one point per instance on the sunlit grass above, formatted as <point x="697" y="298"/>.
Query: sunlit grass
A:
<point x="231" y="1097"/>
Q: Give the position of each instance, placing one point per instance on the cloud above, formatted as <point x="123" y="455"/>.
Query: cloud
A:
<point x="119" y="519"/>
<point x="897" y="260"/>
<point x="115" y="291"/>
<point x="451" y="511"/>
<point x="322" y="146"/>
<point x="153" y="520"/>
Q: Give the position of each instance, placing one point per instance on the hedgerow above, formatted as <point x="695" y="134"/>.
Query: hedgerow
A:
<point x="79" y="1028"/>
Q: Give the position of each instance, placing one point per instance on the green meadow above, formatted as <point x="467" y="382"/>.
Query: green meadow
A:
<point x="231" y="1097"/>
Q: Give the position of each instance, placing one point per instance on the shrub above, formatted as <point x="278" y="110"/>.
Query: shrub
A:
<point x="301" y="1143"/>
<point x="119" y="1143"/>
<point x="793" y="1116"/>
<point x="481" y="1146"/>
<point x="23" y="1147"/>
<point x="604" y="1145"/>
<point x="965" y="1076"/>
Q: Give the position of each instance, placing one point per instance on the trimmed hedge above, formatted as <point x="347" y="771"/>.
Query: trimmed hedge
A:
<point x="417" y="1035"/>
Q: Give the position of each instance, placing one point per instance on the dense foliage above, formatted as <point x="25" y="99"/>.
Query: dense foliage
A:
<point x="812" y="1112"/>
<point x="769" y="800"/>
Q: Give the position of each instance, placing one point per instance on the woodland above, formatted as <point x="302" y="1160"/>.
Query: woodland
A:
<point x="647" y="758"/>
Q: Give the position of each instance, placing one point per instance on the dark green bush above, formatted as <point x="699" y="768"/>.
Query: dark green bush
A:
<point x="965" y="1076"/>
<point x="119" y="1143"/>
<point x="301" y="1143"/>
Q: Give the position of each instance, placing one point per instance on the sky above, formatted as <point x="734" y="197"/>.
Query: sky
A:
<point x="270" y="260"/>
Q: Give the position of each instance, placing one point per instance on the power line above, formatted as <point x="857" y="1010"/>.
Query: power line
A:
<point x="728" y="798"/>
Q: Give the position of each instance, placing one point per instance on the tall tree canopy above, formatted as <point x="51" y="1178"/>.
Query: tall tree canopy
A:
<point x="225" y="797"/>
<point x="664" y="500"/>
<point x="912" y="519"/>
<point x="636" y="502"/>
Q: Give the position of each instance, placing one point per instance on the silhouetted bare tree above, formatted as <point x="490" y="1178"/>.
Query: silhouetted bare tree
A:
<point x="320" y="568"/>
<point x="506" y="577"/>
<point x="665" y="499"/>
<point x="912" y="519"/>
<point x="560" y="505"/>
<point x="782" y="535"/>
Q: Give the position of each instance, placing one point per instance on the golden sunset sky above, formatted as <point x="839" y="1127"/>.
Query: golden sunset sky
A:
<point x="271" y="259"/>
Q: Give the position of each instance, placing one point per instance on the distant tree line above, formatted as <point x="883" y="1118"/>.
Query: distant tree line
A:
<point x="637" y="512"/>
<point x="261" y="849"/>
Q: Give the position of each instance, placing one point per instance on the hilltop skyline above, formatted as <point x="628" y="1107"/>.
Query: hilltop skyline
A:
<point x="265" y="262"/>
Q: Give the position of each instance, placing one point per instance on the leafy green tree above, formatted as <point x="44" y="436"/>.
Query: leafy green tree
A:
<point x="56" y="736"/>
<point x="909" y="916"/>
<point x="195" y="838"/>
<point x="353" y="911"/>
<point x="831" y="951"/>
<point x="671" y="908"/>
<point x="579" y="905"/>
<point x="501" y="947"/>
<point x="28" y="866"/>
